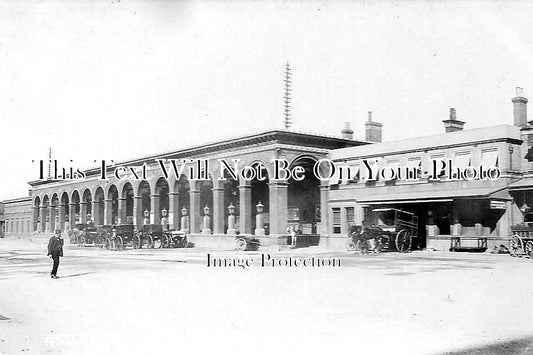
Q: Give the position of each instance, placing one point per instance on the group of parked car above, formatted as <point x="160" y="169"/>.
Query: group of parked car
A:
<point x="117" y="237"/>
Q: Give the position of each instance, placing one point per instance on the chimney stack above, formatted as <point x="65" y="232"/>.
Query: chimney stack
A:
<point x="520" y="108"/>
<point x="347" y="131"/>
<point x="373" y="130"/>
<point x="453" y="124"/>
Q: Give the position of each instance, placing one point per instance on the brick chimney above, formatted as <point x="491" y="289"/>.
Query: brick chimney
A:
<point x="453" y="124"/>
<point x="520" y="108"/>
<point x="347" y="131"/>
<point x="373" y="129"/>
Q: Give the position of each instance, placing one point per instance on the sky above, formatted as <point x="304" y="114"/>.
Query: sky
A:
<point x="116" y="80"/>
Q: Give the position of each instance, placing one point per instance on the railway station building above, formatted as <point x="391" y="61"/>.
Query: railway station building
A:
<point x="325" y="210"/>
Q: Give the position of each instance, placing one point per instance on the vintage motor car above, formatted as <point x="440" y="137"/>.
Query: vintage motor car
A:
<point x="176" y="239"/>
<point x="385" y="229"/>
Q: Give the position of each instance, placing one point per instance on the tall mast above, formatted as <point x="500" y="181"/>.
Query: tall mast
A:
<point x="287" y="97"/>
<point x="49" y="162"/>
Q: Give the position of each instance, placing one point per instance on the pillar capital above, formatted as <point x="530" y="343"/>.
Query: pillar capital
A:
<point x="278" y="183"/>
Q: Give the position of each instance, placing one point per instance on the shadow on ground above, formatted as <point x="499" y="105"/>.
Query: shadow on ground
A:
<point x="522" y="346"/>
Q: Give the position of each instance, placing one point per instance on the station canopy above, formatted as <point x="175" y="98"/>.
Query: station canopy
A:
<point x="424" y="193"/>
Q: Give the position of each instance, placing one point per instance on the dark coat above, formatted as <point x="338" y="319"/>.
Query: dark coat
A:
<point x="55" y="246"/>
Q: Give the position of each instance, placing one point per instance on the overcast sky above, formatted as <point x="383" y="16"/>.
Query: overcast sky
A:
<point x="118" y="80"/>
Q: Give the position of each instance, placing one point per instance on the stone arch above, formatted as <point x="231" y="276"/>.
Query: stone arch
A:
<point x="54" y="215"/>
<point x="161" y="200"/>
<point x="98" y="206"/>
<point x="112" y="205"/>
<point x="86" y="208"/>
<point x="260" y="195"/>
<point x="75" y="210"/>
<point x="127" y="194"/>
<point x="205" y="190"/>
<point x="182" y="204"/>
<point x="303" y="200"/>
<point x="144" y="192"/>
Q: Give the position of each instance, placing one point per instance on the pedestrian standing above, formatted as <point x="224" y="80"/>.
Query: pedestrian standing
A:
<point x="55" y="251"/>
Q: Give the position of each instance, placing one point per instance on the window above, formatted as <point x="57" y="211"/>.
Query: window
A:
<point x="489" y="158"/>
<point x="436" y="165"/>
<point x="336" y="220"/>
<point x="350" y="215"/>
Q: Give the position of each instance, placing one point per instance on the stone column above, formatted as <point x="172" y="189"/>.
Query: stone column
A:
<point x="278" y="197"/>
<point x="62" y="214"/>
<point x="324" y="215"/>
<point x="83" y="212"/>
<point x="245" y="209"/>
<point x="108" y="212"/>
<point x="194" y="211"/>
<point x="42" y="225"/>
<point x="96" y="213"/>
<point x="138" y="212"/>
<point x="52" y="219"/>
<point x="72" y="214"/>
<point x="154" y="210"/>
<point x="122" y="211"/>
<point x="35" y="219"/>
<point x="218" y="210"/>
<point x="174" y="210"/>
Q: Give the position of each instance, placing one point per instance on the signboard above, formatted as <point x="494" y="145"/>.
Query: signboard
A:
<point x="498" y="205"/>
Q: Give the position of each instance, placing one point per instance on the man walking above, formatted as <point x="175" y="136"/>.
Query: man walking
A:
<point x="55" y="250"/>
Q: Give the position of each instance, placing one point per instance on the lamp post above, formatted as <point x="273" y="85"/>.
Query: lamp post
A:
<point x="206" y="225"/>
<point x="164" y="218"/>
<point x="231" y="220"/>
<point x="259" y="230"/>
<point x="184" y="220"/>
<point x="146" y="220"/>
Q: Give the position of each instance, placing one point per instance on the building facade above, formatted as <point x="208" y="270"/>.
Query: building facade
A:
<point x="213" y="209"/>
<point x="18" y="217"/>
<point x="201" y="208"/>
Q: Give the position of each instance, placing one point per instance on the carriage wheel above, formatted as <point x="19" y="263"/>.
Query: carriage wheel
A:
<point x="241" y="244"/>
<point x="165" y="241"/>
<point x="516" y="245"/>
<point x="136" y="242"/>
<point x="350" y="245"/>
<point x="529" y="248"/>
<point x="119" y="243"/>
<point x="403" y="241"/>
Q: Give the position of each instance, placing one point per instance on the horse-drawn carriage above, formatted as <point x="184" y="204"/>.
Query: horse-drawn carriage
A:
<point x="385" y="229"/>
<point x="85" y="235"/>
<point x="521" y="242"/>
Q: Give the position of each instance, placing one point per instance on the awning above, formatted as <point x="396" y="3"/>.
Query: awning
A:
<point x="424" y="193"/>
<point x="523" y="184"/>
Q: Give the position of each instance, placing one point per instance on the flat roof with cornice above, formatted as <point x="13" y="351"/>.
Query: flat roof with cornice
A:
<point x="301" y="139"/>
<point x="438" y="141"/>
